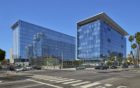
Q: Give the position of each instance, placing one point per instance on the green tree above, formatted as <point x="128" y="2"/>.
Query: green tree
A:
<point x="2" y="55"/>
<point x="112" y="57"/>
<point x="129" y="60"/>
<point x="52" y="61"/>
<point x="137" y="37"/>
<point x="120" y="59"/>
<point x="77" y="63"/>
<point x="136" y="44"/>
<point x="131" y="39"/>
<point x="109" y="62"/>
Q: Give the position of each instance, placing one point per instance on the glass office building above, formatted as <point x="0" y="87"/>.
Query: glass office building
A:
<point x="98" y="37"/>
<point x="33" y="41"/>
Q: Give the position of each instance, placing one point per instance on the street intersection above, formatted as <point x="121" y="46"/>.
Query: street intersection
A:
<point x="73" y="79"/>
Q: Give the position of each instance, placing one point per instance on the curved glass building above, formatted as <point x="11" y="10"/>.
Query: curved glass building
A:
<point x="33" y="41"/>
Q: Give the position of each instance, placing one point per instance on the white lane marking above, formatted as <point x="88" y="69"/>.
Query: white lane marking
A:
<point x="60" y="80"/>
<point x="31" y="86"/>
<point x="77" y="84"/>
<point x="122" y="87"/>
<point x="64" y="80"/>
<point x="45" y="83"/>
<point x="57" y="78"/>
<point x="100" y="87"/>
<point x="54" y="80"/>
<point x="50" y="78"/>
<point x="108" y="85"/>
<point x="90" y="85"/>
<point x="72" y="82"/>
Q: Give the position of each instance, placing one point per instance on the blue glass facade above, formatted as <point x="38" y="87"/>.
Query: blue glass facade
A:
<point x="111" y="41"/>
<point x="88" y="41"/>
<point x="30" y="40"/>
<point x="97" y="40"/>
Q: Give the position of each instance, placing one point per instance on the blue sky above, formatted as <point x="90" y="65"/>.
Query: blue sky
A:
<point x="62" y="15"/>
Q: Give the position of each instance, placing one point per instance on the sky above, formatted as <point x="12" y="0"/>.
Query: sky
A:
<point x="62" y="15"/>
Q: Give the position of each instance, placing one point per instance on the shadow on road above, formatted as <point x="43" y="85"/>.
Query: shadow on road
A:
<point x="13" y="78"/>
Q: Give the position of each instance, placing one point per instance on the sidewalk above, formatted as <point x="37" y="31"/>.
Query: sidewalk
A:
<point x="71" y="69"/>
<point x="93" y="69"/>
<point x="117" y="70"/>
<point x="13" y="73"/>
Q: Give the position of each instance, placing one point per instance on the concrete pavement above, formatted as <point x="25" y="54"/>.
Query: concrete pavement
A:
<point x="74" y="79"/>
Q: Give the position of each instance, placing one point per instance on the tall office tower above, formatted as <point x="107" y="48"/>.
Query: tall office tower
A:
<point x="99" y="37"/>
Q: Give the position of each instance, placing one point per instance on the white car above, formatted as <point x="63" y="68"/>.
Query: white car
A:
<point x="28" y="68"/>
<point x="19" y="69"/>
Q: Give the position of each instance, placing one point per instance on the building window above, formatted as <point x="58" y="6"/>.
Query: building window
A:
<point x="109" y="40"/>
<point x="108" y="51"/>
<point x="109" y="29"/>
<point x="122" y="46"/>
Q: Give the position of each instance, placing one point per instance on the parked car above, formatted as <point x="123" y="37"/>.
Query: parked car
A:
<point x="12" y="68"/>
<point x="27" y="68"/>
<point x="102" y="67"/>
<point x="125" y="65"/>
<point x="82" y="67"/>
<point x="37" y="67"/>
<point x="113" y="67"/>
<point x="19" y="69"/>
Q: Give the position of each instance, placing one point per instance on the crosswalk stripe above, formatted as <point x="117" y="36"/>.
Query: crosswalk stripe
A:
<point x="72" y="82"/>
<point x="90" y="85"/>
<point x="122" y="87"/>
<point x="108" y="85"/>
<point x="77" y="84"/>
<point x="65" y="80"/>
<point x="55" y="78"/>
<point x="100" y="87"/>
<point x="50" y="78"/>
<point x="45" y="83"/>
<point x="34" y="85"/>
<point x="61" y="80"/>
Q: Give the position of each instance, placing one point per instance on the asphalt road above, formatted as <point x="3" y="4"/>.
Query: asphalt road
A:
<point x="74" y="79"/>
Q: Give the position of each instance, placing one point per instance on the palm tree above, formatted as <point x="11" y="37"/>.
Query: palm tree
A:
<point x="136" y="44"/>
<point x="131" y="39"/>
<point x="133" y="46"/>
<point x="137" y="37"/>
